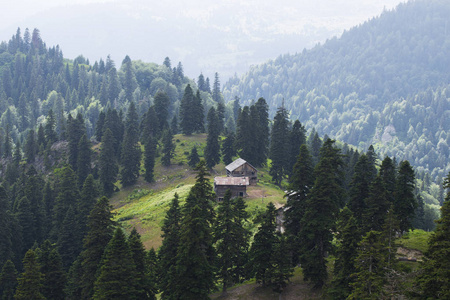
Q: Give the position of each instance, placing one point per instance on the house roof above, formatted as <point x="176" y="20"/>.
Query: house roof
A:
<point x="236" y="164"/>
<point x="231" y="181"/>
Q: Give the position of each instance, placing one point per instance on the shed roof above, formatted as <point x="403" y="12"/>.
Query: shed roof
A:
<point x="231" y="181"/>
<point x="236" y="164"/>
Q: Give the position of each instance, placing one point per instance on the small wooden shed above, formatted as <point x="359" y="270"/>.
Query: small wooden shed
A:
<point x="241" y="168"/>
<point x="237" y="186"/>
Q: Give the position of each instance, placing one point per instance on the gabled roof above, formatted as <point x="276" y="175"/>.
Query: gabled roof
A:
<point x="236" y="164"/>
<point x="231" y="181"/>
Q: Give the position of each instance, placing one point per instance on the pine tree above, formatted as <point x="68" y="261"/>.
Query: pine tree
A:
<point x="25" y="218"/>
<point x="301" y="181"/>
<point x="195" y="254"/>
<point x="129" y="82"/>
<point x="433" y="281"/>
<point x="8" y="280"/>
<point x="100" y="232"/>
<point x="168" y="148"/>
<point x="131" y="151"/>
<point x="315" y="144"/>
<point x="152" y="273"/>
<point x="168" y="250"/>
<point x="149" y="125"/>
<point x="193" y="158"/>
<point x="279" y="147"/>
<point x="212" y="150"/>
<point x="405" y="202"/>
<point x="244" y="139"/>
<point x="114" y="123"/>
<point x="117" y="271"/>
<point x="149" y="158"/>
<point x="260" y="131"/>
<point x="107" y="163"/>
<point x="262" y="249"/>
<point x="228" y="150"/>
<point x="30" y="282"/>
<point x="52" y="269"/>
<point x="388" y="174"/>
<point x="320" y="214"/>
<point x="174" y="125"/>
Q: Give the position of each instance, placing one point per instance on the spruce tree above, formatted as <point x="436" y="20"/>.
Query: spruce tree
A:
<point x="198" y="112"/>
<point x="75" y="130"/>
<point x="320" y="214"/>
<point x="405" y="202"/>
<point x="377" y="205"/>
<point x="244" y="138"/>
<point x="25" y="219"/>
<point x="6" y="252"/>
<point x="212" y="150"/>
<point x="187" y="117"/>
<point x="149" y="125"/>
<point x="88" y="196"/>
<point x="143" y="284"/>
<point x="359" y="188"/>
<point x="100" y="225"/>
<point x="228" y="150"/>
<point x="8" y="280"/>
<point x="168" y="148"/>
<point x="282" y="267"/>
<point x="30" y="281"/>
<point x="301" y="181"/>
<point x="195" y="254"/>
<point x="49" y="129"/>
<point x="113" y="122"/>
<point x="69" y="238"/>
<point x="168" y="250"/>
<point x="117" y="271"/>
<point x="52" y="269"/>
<point x="297" y="137"/>
<point x="68" y="194"/>
<point x="348" y="237"/>
<point x="279" y="147"/>
<point x="262" y="249"/>
<point x="131" y="151"/>
<point x="30" y="148"/>
<point x="149" y="158"/>
<point x="162" y="102"/>
<point x="433" y="280"/>
<point x="260" y="131"/>
<point x="369" y="277"/>
<point x="99" y="126"/>
<point x="108" y="168"/>
<point x="83" y="159"/>
<point x="193" y="158"/>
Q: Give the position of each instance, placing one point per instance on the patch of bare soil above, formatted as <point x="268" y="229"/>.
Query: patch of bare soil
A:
<point x="294" y="291"/>
<point x="410" y="254"/>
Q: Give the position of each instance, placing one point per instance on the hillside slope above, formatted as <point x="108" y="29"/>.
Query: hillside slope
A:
<point x="384" y="82"/>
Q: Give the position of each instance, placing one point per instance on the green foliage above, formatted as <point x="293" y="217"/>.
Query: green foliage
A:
<point x="193" y="158"/>
<point x="372" y="93"/>
<point x="168" y="147"/>
<point x="279" y="146"/>
<point x="52" y="268"/>
<point x="433" y="281"/>
<point x="212" y="150"/>
<point x="117" y="271"/>
<point x="108" y="168"/>
<point x="31" y="280"/>
<point x="8" y="280"/>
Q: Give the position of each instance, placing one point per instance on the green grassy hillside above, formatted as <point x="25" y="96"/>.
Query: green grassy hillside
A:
<point x="145" y="204"/>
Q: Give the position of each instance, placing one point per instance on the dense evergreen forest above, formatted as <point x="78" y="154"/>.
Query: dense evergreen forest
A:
<point x="73" y="135"/>
<point x="383" y="83"/>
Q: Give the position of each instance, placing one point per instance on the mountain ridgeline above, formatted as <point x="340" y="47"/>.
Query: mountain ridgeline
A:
<point x="384" y="82"/>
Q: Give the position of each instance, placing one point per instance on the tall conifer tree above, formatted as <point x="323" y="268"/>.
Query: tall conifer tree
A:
<point x="108" y="168"/>
<point x="131" y="151"/>
<point x="212" y="150"/>
<point x="30" y="282"/>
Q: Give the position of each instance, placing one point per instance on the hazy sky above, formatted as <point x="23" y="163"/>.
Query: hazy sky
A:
<point x="224" y="35"/>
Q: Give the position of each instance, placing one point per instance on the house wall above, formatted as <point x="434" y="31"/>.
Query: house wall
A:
<point x="235" y="190"/>
<point x="245" y="171"/>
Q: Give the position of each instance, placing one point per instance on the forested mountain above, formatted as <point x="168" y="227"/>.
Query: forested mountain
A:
<point x="384" y="82"/>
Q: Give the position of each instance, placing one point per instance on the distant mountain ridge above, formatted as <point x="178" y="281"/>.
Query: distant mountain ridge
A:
<point x="386" y="77"/>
